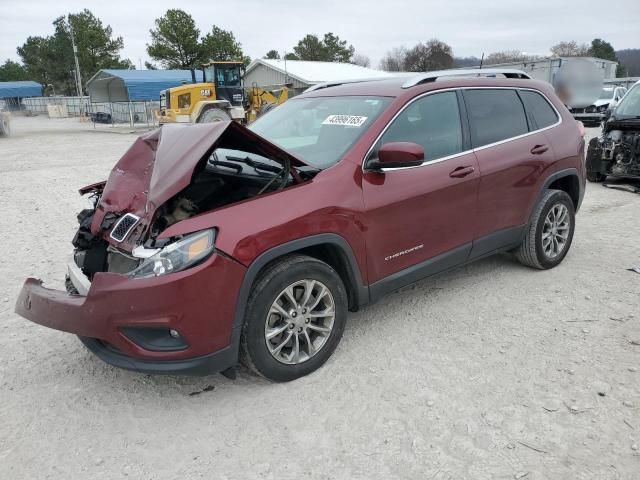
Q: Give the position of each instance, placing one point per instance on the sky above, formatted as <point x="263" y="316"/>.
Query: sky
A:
<point x="471" y="27"/>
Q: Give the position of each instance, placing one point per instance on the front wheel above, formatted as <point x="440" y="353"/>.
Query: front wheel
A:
<point x="294" y="320"/>
<point x="550" y="233"/>
<point x="214" y="115"/>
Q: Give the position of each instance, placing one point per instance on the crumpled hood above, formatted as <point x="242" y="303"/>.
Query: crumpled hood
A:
<point x="161" y="163"/>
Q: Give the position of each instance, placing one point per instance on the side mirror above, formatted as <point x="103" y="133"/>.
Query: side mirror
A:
<point x="398" y="155"/>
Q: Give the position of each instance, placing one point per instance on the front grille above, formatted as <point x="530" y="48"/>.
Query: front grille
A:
<point x="577" y="110"/>
<point x="124" y="227"/>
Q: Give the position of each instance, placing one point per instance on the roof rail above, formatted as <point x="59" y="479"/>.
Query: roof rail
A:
<point x="336" y="83"/>
<point x="471" y="72"/>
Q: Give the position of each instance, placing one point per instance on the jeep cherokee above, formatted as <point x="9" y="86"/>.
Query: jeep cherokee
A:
<point x="214" y="243"/>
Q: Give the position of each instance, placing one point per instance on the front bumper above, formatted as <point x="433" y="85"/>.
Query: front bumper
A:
<point x="199" y="303"/>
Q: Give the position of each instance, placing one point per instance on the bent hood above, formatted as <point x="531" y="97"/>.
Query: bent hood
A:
<point x="161" y="163"/>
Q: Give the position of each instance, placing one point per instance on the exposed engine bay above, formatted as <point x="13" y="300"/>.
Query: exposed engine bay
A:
<point x="114" y="239"/>
<point x="616" y="152"/>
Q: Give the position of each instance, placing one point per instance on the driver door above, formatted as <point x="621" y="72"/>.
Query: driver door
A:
<point x="422" y="219"/>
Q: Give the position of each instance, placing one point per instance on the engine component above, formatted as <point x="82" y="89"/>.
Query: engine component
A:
<point x="616" y="152"/>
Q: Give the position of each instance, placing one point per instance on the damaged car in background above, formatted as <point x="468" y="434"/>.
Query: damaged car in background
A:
<point x="617" y="151"/>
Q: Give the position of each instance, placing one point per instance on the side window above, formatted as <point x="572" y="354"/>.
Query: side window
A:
<point x="494" y="115"/>
<point x="432" y="121"/>
<point x="538" y="107"/>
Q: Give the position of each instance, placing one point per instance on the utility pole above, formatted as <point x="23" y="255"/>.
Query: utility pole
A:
<point x="75" y="58"/>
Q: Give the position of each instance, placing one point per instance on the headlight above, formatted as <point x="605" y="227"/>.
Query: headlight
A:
<point x="177" y="256"/>
<point x="590" y="109"/>
<point x="602" y="108"/>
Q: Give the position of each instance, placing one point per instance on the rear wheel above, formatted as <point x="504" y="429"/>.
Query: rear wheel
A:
<point x="550" y="233"/>
<point x="295" y="317"/>
<point x="214" y="115"/>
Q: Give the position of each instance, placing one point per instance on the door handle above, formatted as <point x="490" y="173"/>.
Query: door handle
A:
<point x="460" y="172"/>
<point x="539" y="149"/>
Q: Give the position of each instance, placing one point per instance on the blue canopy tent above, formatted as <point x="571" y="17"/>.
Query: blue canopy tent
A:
<point x="111" y="85"/>
<point x="20" y="89"/>
<point x="12" y="93"/>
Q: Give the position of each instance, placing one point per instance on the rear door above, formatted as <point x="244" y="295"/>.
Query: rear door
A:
<point x="416" y="214"/>
<point x="511" y="156"/>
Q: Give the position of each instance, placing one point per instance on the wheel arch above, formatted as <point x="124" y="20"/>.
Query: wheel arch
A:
<point x="567" y="180"/>
<point x="331" y="248"/>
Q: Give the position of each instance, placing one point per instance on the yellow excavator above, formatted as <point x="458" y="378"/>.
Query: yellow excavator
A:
<point x="222" y="96"/>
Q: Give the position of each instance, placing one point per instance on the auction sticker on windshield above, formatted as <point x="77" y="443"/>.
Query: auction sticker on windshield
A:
<point x="346" y="120"/>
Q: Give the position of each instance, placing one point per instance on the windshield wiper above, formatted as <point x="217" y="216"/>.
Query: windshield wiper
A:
<point x="254" y="164"/>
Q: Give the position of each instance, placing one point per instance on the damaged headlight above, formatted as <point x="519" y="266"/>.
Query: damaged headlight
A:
<point x="177" y="256"/>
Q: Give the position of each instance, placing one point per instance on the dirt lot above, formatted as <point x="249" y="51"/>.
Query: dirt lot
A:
<point x="493" y="371"/>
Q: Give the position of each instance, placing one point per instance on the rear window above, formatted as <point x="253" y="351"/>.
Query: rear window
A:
<point x="494" y="115"/>
<point x="543" y="114"/>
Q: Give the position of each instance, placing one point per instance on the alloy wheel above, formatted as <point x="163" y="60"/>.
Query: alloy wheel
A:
<point x="555" y="231"/>
<point x="299" y="321"/>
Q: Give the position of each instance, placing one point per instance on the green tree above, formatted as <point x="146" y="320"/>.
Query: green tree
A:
<point x="150" y="66"/>
<point x="291" y="56"/>
<point x="310" y="48"/>
<point x="336" y="49"/>
<point x="49" y="60"/>
<point x="329" y="49"/>
<point x="12" y="71"/>
<point x="272" y="54"/>
<point x="221" y="45"/>
<point x="603" y="49"/>
<point x="175" y="41"/>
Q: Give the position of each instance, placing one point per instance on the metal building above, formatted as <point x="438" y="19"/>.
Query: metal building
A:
<point x="300" y="75"/>
<point x="111" y="85"/>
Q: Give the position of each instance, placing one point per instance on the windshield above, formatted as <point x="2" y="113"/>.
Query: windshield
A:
<point x="629" y="106"/>
<point x="225" y="75"/>
<point x="320" y="130"/>
<point x="606" y="94"/>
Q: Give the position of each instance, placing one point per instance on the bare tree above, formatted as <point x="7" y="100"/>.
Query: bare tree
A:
<point x="426" y="57"/>
<point x="570" y="49"/>
<point x="394" y="60"/>
<point x="360" y="59"/>
<point x="505" y="56"/>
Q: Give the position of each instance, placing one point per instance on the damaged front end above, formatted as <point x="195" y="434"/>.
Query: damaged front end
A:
<point x="141" y="300"/>
<point x="167" y="176"/>
<point x="616" y="152"/>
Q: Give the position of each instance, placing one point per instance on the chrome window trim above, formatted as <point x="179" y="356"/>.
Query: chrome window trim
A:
<point x="465" y="152"/>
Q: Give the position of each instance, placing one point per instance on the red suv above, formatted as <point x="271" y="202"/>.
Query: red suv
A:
<point x="214" y="243"/>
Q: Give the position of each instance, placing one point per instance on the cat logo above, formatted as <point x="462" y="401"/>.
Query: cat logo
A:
<point x="205" y="92"/>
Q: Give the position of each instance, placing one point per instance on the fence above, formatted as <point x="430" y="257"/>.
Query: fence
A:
<point x="133" y="113"/>
<point x="75" y="105"/>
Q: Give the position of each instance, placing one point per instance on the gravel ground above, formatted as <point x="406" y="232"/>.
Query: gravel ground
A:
<point x="493" y="371"/>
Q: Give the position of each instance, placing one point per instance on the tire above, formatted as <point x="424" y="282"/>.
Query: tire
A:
<point x="298" y="271"/>
<point x="5" y="125"/>
<point x="596" y="177"/>
<point x="214" y="115"/>
<point x="535" y="253"/>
